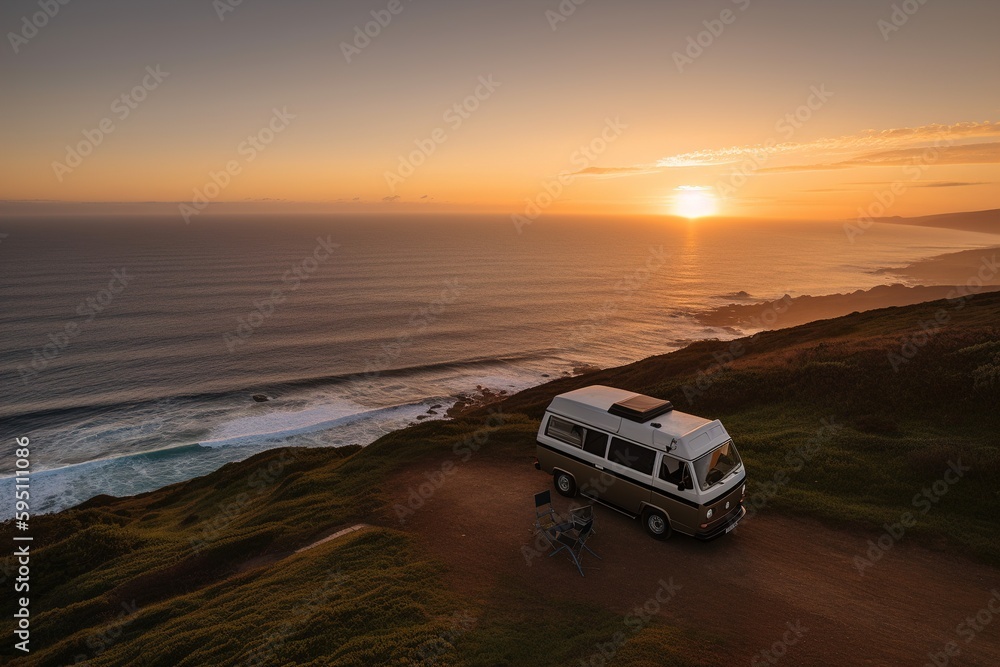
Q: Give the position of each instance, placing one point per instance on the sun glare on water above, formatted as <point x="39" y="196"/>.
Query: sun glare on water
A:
<point x="692" y="201"/>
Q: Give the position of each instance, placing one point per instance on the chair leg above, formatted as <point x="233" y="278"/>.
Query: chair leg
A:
<point x="576" y="562"/>
<point x="592" y="552"/>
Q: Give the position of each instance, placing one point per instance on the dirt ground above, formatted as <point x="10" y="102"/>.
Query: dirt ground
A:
<point x="746" y="587"/>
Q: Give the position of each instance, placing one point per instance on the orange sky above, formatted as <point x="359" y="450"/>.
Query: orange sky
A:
<point x="791" y="110"/>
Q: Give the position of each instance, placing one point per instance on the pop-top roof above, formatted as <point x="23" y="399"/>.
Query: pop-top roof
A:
<point x="684" y="435"/>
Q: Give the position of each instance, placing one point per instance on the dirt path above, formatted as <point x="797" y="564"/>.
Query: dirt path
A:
<point x="329" y="538"/>
<point x="746" y="587"/>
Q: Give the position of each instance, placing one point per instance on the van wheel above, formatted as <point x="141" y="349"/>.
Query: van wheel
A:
<point x="565" y="484"/>
<point x="657" y="524"/>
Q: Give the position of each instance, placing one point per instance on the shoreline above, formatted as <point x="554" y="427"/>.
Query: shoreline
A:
<point x="953" y="275"/>
<point x="731" y="318"/>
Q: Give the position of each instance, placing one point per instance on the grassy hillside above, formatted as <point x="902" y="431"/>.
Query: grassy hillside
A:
<point x="905" y="396"/>
<point x="846" y="420"/>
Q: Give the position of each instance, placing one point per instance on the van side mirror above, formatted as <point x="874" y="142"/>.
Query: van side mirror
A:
<point x="683" y="486"/>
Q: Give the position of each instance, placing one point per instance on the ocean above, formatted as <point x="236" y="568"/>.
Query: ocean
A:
<point x="132" y="348"/>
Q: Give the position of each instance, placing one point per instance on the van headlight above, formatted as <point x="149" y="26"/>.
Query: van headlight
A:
<point x="744" y="492"/>
<point x="709" y="514"/>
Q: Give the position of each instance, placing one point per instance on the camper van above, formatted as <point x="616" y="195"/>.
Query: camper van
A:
<point x="636" y="454"/>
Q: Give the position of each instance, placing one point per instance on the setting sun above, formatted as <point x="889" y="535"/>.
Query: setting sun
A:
<point x="695" y="202"/>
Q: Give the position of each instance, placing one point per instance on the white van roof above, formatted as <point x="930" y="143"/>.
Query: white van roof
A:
<point x="684" y="436"/>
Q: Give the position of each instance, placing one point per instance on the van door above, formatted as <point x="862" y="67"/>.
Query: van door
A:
<point x="673" y="491"/>
<point x="598" y="478"/>
<point x="633" y="467"/>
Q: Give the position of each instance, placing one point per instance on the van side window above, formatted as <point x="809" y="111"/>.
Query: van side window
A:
<point x="631" y="455"/>
<point x="568" y="432"/>
<point x="596" y="443"/>
<point x="674" y="471"/>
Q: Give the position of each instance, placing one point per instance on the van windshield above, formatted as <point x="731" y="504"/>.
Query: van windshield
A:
<point x="715" y="466"/>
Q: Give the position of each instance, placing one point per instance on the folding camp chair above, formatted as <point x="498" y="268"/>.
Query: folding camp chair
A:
<point x="583" y="520"/>
<point x="581" y="515"/>
<point x="573" y="541"/>
<point x="545" y="515"/>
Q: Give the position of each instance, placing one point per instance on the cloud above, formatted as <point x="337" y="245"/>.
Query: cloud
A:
<point x="857" y="187"/>
<point x="964" y="154"/>
<point x="978" y="153"/>
<point x="807" y="167"/>
<point x="888" y="147"/>
<point x="848" y="150"/>
<point x="708" y="158"/>
<point x="950" y="184"/>
<point x="617" y="171"/>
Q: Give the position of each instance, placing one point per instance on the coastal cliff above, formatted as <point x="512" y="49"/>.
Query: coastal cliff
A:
<point x="232" y="568"/>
